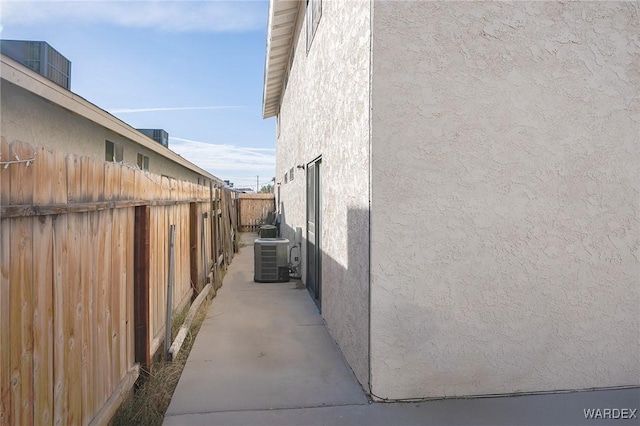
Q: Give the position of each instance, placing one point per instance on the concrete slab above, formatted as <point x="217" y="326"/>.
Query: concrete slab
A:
<point x="264" y="357"/>
<point x="535" y="410"/>
<point x="262" y="346"/>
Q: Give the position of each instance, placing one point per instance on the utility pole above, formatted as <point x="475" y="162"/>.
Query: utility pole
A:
<point x="257" y="184"/>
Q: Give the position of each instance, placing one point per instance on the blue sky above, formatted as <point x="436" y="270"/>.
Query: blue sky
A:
<point x="194" y="69"/>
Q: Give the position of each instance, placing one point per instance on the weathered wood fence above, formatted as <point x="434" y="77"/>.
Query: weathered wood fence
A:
<point x="83" y="277"/>
<point x="254" y="210"/>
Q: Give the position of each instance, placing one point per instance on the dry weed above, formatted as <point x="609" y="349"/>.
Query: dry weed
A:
<point x="153" y="394"/>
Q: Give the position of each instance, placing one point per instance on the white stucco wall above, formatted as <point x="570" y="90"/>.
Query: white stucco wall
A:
<point x="29" y="118"/>
<point x="325" y="112"/>
<point x="505" y="197"/>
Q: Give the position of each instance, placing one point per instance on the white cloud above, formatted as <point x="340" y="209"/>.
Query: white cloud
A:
<point x="242" y="163"/>
<point x="174" y="16"/>
<point x="134" y="110"/>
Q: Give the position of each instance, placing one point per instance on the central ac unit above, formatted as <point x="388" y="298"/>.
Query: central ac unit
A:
<point x="271" y="260"/>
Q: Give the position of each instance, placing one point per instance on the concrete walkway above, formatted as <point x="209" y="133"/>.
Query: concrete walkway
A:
<point x="264" y="357"/>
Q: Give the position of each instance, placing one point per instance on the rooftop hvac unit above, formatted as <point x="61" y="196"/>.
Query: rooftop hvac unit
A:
<point x="40" y="57"/>
<point x="271" y="260"/>
<point x="159" y="135"/>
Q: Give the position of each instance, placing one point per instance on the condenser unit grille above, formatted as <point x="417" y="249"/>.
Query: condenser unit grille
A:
<point x="269" y="261"/>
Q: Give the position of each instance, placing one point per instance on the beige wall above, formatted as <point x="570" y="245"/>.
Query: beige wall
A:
<point x="324" y="112"/>
<point x="505" y="197"/>
<point x="27" y="117"/>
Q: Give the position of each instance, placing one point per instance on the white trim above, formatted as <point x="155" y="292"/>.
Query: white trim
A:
<point x="283" y="15"/>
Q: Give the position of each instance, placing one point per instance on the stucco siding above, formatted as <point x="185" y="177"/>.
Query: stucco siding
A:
<point x="505" y="197"/>
<point x="325" y="112"/>
<point x="30" y="118"/>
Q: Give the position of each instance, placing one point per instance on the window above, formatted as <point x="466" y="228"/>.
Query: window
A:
<point x="291" y="174"/>
<point x="313" y="14"/>
<point x="286" y="177"/>
<point x="143" y="162"/>
<point x="113" y="152"/>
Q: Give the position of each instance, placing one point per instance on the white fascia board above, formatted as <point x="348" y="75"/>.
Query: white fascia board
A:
<point x="283" y="15"/>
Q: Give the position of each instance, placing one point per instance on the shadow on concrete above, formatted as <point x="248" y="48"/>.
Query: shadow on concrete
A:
<point x="265" y="357"/>
<point x="344" y="293"/>
<point x="262" y="346"/>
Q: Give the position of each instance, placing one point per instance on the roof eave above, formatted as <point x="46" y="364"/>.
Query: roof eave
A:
<point x="29" y="80"/>
<point x="283" y="15"/>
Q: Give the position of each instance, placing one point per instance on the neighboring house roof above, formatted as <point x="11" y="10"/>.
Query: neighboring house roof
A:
<point x="16" y="73"/>
<point x="282" y="20"/>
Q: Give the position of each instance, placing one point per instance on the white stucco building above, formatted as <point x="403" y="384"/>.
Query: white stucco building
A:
<point x="466" y="176"/>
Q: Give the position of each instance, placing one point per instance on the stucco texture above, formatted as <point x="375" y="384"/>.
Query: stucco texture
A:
<point x="505" y="197"/>
<point x="325" y="112"/>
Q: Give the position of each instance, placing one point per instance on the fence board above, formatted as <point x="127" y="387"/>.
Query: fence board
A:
<point x="193" y="243"/>
<point x="86" y="179"/>
<point x="111" y="181"/>
<point x="88" y="278"/>
<point x="156" y="282"/>
<point x="127" y="318"/>
<point x="67" y="277"/>
<point x="98" y="181"/>
<point x="114" y="297"/>
<point x="21" y="320"/>
<point x="94" y="265"/>
<point x="153" y="276"/>
<point x="91" y="185"/>
<point x="102" y="232"/>
<point x="141" y="289"/>
<point x="21" y="174"/>
<point x="43" y="319"/>
<point x="127" y="183"/>
<point x="254" y="209"/>
<point x="73" y="179"/>
<point x="60" y="357"/>
<point x="5" y="329"/>
<point x="5" y="305"/>
<point x="185" y="253"/>
<point x="42" y="167"/>
<point x="110" y="276"/>
<point x="73" y="323"/>
<point x="121" y="301"/>
<point x="58" y="178"/>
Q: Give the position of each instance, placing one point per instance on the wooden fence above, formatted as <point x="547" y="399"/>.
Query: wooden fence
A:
<point x="83" y="277"/>
<point x="254" y="210"/>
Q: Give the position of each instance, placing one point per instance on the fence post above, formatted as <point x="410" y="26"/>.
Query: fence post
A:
<point x="216" y="212"/>
<point x="193" y="244"/>
<point x="167" y="334"/>
<point x="212" y="213"/>
<point x="141" y="286"/>
<point x="205" y="258"/>
<point x="238" y="212"/>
